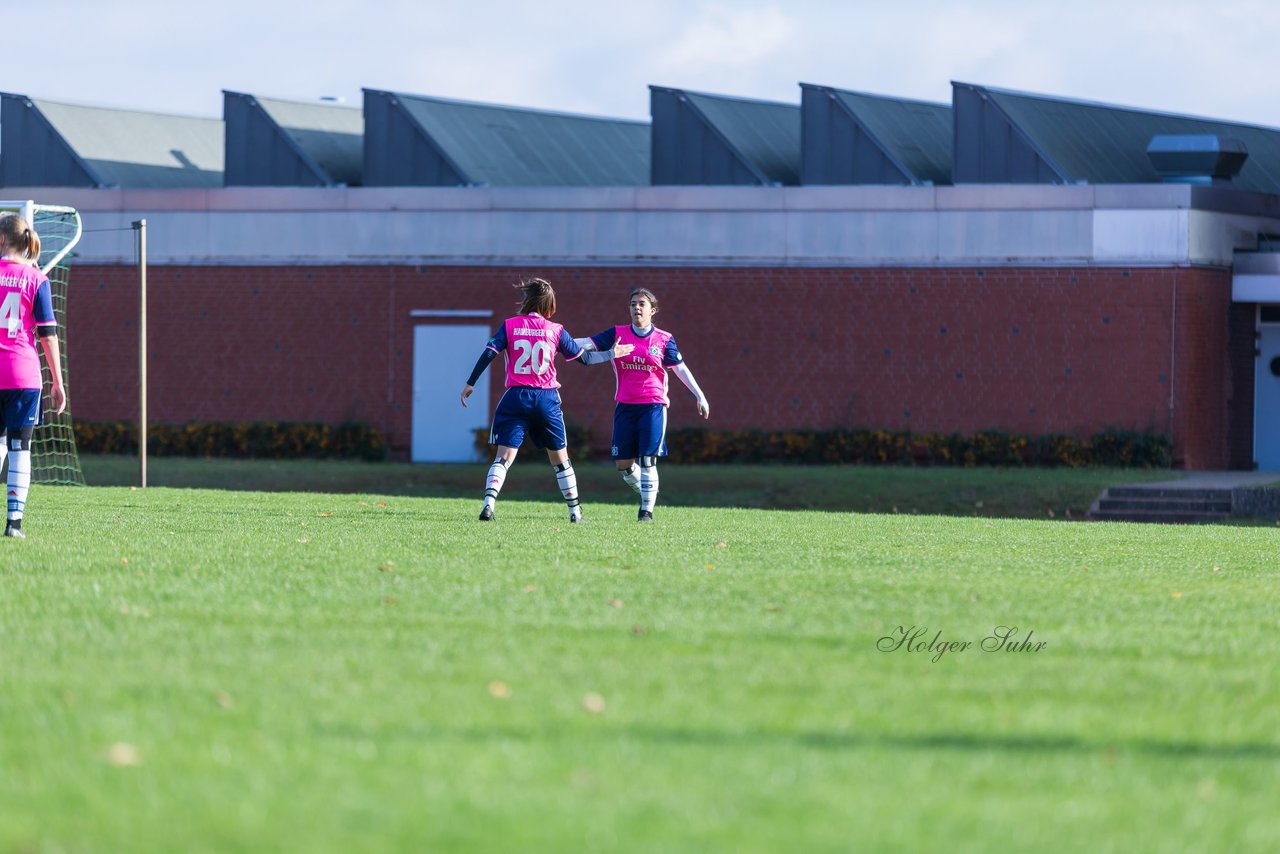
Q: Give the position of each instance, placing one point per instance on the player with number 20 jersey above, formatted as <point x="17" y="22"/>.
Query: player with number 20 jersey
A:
<point x="531" y="404"/>
<point x="529" y="343"/>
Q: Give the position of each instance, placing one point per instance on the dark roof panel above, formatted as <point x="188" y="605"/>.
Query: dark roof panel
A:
<point x="397" y="152"/>
<point x="33" y="154"/>
<point x="490" y="145"/>
<point x="688" y="149"/>
<point x="332" y="136"/>
<point x="127" y="148"/>
<point x="857" y="138"/>
<point x="916" y="133"/>
<point x="1106" y="144"/>
<point x="766" y="134"/>
<point x="259" y="152"/>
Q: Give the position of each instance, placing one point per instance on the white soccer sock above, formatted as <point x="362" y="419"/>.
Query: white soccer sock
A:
<point x="19" y="482"/>
<point x="568" y="482"/>
<point x="493" y="483"/>
<point x="648" y="487"/>
<point x="631" y="476"/>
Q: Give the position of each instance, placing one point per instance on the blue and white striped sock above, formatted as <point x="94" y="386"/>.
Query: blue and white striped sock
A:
<point x="494" y="480"/>
<point x="19" y="482"/>
<point x="632" y="477"/>
<point x="568" y="482"/>
<point x="648" y="487"/>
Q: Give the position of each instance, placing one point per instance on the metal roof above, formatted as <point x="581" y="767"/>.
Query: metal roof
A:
<point x="873" y="139"/>
<point x="273" y="142"/>
<point x="763" y="135"/>
<point x="117" y="148"/>
<point x="332" y="136"/>
<point x="32" y="154"/>
<point x="484" y="144"/>
<point x="1079" y="141"/>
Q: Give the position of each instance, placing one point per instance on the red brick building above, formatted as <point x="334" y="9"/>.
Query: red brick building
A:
<point x="1035" y="309"/>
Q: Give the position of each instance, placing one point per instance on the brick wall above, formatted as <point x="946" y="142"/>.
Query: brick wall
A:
<point x="1033" y="350"/>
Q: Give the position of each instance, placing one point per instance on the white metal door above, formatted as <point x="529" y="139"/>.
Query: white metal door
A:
<point x="443" y="356"/>
<point x="1266" y="399"/>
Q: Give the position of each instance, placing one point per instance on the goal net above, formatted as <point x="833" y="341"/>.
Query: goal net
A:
<point x="53" y="447"/>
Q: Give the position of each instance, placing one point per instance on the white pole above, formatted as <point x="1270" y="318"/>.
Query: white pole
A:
<point x="141" y="227"/>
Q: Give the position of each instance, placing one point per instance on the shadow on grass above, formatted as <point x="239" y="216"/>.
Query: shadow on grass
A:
<point x="984" y="492"/>
<point x="828" y="740"/>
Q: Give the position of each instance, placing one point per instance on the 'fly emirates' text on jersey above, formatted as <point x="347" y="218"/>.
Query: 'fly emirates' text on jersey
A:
<point x="25" y="304"/>
<point x="642" y="376"/>
<point x="529" y="344"/>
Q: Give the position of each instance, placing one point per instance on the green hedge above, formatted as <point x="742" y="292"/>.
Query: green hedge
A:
<point x="1117" y="448"/>
<point x="261" y="439"/>
<point x="280" y="440"/>
<point x="1113" y="448"/>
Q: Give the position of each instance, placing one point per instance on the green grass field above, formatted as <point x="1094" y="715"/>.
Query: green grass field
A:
<point x="188" y="670"/>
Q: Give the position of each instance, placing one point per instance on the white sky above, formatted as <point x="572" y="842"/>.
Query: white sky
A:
<point x="1214" y="58"/>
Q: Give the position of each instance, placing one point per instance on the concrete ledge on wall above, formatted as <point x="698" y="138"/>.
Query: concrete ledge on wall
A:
<point x="978" y="225"/>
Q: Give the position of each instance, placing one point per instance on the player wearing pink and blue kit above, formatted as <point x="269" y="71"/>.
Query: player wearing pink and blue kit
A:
<point x="640" y="417"/>
<point x="530" y="406"/>
<point x="26" y="311"/>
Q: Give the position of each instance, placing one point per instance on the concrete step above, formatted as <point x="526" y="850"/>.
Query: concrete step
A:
<point x="1166" y="492"/>
<point x="1156" y="516"/>
<point x="1171" y="504"/>
<point x="1162" y="505"/>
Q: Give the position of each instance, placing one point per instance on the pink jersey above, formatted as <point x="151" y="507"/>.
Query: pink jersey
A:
<point x="23" y="308"/>
<point x="531" y="342"/>
<point x="642" y="376"/>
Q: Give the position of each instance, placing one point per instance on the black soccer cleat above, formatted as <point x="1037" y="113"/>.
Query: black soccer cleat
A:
<point x="644" y="516"/>
<point x="486" y="515"/>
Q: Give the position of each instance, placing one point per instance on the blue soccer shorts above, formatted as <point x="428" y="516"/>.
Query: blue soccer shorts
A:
<point x="639" y="430"/>
<point x="529" y="411"/>
<point x="20" y="408"/>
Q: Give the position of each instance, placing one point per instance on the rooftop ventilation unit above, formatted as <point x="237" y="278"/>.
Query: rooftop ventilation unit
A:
<point x="1197" y="158"/>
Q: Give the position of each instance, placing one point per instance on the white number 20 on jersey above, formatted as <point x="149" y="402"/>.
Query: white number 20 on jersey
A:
<point x="532" y="357"/>
<point x="11" y="313"/>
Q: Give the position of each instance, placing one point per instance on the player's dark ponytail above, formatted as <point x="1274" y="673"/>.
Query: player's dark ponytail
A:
<point x="17" y="235"/>
<point x="539" y="296"/>
<point x="33" y="245"/>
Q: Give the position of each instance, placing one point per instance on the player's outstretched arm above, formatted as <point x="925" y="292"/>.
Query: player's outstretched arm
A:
<point x="592" y="351"/>
<point x="601" y="342"/>
<point x="686" y="376"/>
<point x="595" y="357"/>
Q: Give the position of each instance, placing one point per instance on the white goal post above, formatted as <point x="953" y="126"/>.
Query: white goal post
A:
<point x="28" y="209"/>
<point x="54" y="458"/>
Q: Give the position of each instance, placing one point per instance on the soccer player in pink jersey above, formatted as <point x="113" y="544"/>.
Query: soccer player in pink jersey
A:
<point x="531" y="403"/>
<point x="640" y="418"/>
<point x="26" y="308"/>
